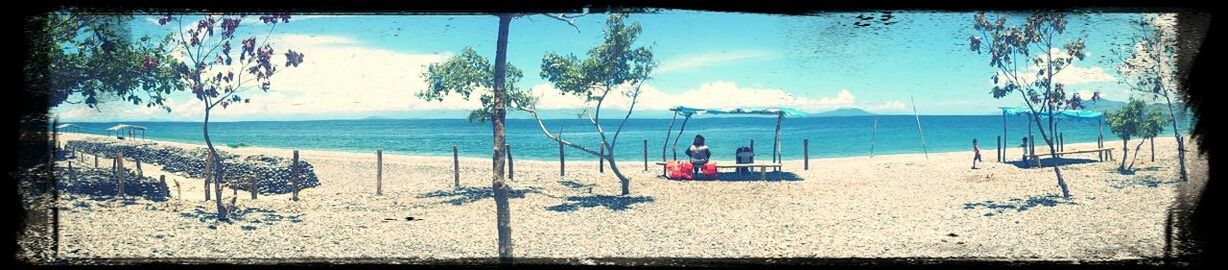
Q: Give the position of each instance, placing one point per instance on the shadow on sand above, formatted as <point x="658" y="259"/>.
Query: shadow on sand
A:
<point x="1018" y="204"/>
<point x="616" y="203"/>
<point x="756" y="176"/>
<point x="1143" y="181"/>
<point x="472" y="194"/>
<point x="1049" y="162"/>
<point x="248" y="214"/>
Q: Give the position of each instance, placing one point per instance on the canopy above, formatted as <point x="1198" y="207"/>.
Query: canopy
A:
<point x="688" y="111"/>
<point x="123" y="126"/>
<point x="1067" y="114"/>
<point x="67" y="126"/>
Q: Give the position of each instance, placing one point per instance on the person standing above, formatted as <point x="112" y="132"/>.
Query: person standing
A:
<point x="976" y="151"/>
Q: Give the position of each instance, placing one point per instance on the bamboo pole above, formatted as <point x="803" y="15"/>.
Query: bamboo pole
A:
<point x="680" y="130"/>
<point x="919" y="130"/>
<point x="873" y="136"/>
<point x="665" y="145"/>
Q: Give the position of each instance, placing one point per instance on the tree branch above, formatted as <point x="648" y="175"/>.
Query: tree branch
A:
<point x="555" y="137"/>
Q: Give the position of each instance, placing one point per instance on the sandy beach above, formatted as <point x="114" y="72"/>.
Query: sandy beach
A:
<point x="880" y="207"/>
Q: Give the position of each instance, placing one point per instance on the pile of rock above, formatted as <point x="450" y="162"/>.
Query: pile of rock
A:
<point x="272" y="174"/>
<point x="102" y="183"/>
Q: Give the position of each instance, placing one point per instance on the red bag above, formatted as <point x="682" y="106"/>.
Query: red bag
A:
<point x="675" y="170"/>
<point x="687" y="169"/>
<point x="709" y="169"/>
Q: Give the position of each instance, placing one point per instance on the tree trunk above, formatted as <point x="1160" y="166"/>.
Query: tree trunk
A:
<point x="1172" y="116"/>
<point x="1137" y="148"/>
<point x="500" y="188"/>
<point x="626" y="182"/>
<point x="1125" y="147"/>
<point x="217" y="168"/>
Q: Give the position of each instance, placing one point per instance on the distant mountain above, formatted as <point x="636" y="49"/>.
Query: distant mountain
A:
<point x="1103" y="105"/>
<point x="1109" y="106"/>
<point x="844" y="112"/>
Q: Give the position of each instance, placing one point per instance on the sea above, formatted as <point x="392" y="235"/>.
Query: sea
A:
<point x="847" y="136"/>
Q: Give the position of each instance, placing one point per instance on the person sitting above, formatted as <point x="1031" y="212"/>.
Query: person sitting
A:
<point x="699" y="153"/>
<point x="1024" y="147"/>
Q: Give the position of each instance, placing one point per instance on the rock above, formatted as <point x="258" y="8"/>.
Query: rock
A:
<point x="272" y="173"/>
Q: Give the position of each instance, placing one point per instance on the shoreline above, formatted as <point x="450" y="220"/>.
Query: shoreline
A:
<point x="248" y="150"/>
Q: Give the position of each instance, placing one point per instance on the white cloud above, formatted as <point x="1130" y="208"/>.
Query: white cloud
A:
<point x="719" y="94"/>
<point x="338" y="75"/>
<point x="889" y="106"/>
<point x="688" y="62"/>
<point x="1079" y="75"/>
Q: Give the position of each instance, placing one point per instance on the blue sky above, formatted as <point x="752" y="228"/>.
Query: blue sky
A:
<point x="370" y="65"/>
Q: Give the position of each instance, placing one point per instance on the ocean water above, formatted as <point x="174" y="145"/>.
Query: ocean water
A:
<point x="828" y="136"/>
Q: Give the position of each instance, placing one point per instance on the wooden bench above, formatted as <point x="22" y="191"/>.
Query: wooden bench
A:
<point x="1104" y="153"/>
<point x="762" y="167"/>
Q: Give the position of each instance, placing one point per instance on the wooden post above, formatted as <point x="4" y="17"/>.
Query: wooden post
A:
<point x="511" y="169"/>
<point x="752" y="146"/>
<point x="95" y="161"/>
<point x="251" y="184"/>
<point x="455" y="167"/>
<point x="139" y="171"/>
<point x="805" y="154"/>
<point x="645" y="155"/>
<point x="1002" y="153"/>
<point x="776" y="143"/>
<point x="379" y="172"/>
<point x="1032" y="149"/>
<point x="601" y="160"/>
<point x="208" y="174"/>
<point x="294" y="177"/>
<point x="999" y="149"/>
<point x="119" y="170"/>
<point x="562" y="165"/>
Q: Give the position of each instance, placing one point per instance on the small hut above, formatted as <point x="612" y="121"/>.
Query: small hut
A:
<point x="121" y="129"/>
<point x="68" y="128"/>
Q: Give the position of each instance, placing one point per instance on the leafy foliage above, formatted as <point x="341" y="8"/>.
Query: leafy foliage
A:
<point x="1137" y="120"/>
<point x="612" y="63"/>
<point x="211" y="72"/>
<point x="93" y="56"/>
<point x="467" y="73"/>
<point x="1031" y="44"/>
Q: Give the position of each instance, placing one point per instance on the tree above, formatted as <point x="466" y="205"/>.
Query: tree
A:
<point x="94" y="57"/>
<point x="1032" y="43"/>
<point x="613" y="66"/>
<point x="469" y="72"/>
<point x="1149" y="67"/>
<point x="216" y="79"/>
<point x="1136" y="119"/>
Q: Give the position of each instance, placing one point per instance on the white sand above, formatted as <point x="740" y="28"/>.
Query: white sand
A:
<point x="885" y="206"/>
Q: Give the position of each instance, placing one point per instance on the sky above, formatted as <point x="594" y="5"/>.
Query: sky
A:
<point x="359" y="66"/>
